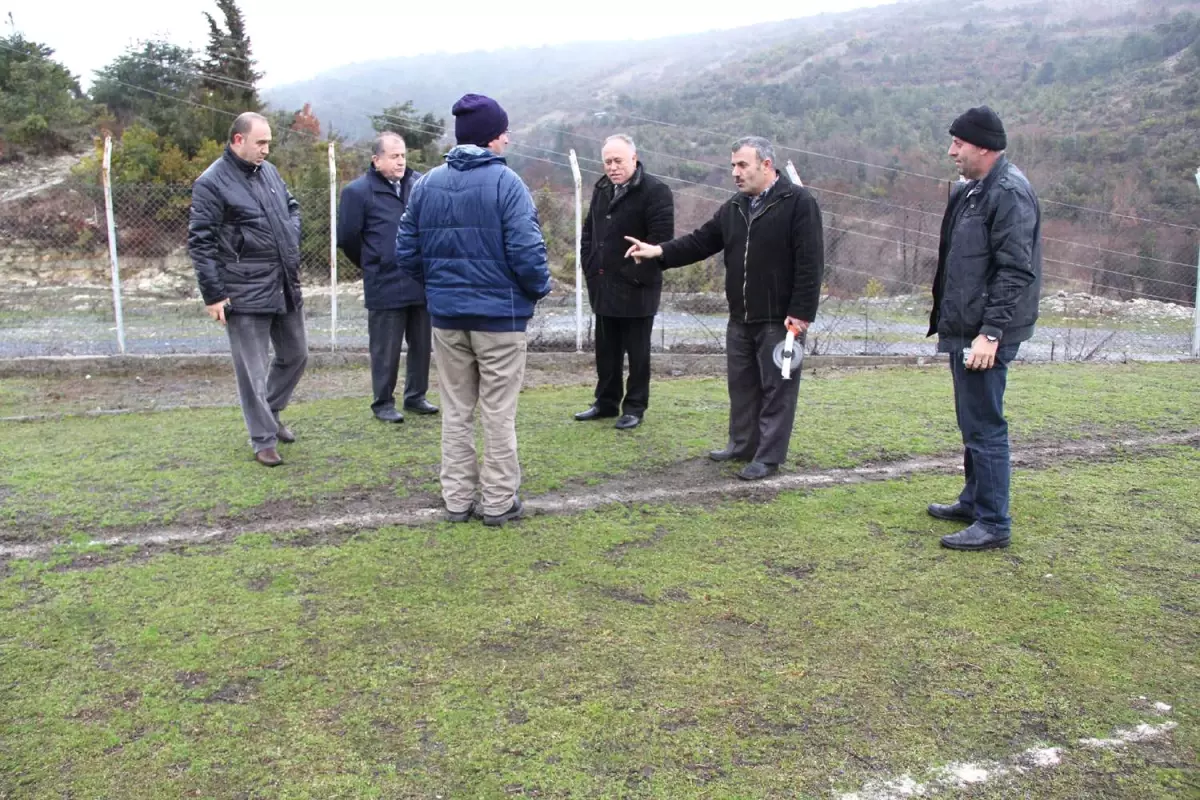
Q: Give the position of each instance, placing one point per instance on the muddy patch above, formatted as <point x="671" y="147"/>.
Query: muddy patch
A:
<point x="624" y="594"/>
<point x="797" y="572"/>
<point x="622" y="549"/>
<point x="236" y="692"/>
<point x="190" y="680"/>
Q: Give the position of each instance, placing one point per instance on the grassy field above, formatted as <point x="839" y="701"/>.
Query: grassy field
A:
<point x="811" y="645"/>
<point x="746" y="650"/>
<point x="70" y="476"/>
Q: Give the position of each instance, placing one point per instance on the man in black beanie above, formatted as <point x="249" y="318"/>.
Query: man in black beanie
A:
<point x="985" y="303"/>
<point x="471" y="237"/>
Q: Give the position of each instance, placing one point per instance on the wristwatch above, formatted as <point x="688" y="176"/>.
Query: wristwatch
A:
<point x="991" y="338"/>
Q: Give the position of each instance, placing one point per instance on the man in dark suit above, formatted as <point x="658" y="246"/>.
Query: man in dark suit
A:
<point x="370" y="214"/>
<point x="627" y="201"/>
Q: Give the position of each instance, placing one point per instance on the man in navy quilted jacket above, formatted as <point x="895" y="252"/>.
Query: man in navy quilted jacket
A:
<point x="471" y="236"/>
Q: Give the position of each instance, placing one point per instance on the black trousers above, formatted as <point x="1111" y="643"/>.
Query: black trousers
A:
<point x="387" y="329"/>
<point x="617" y="337"/>
<point x="762" y="405"/>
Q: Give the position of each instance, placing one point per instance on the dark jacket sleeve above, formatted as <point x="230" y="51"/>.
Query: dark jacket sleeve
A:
<point x="524" y="247"/>
<point x="585" y="237"/>
<point x="204" y="230"/>
<point x="705" y="241"/>
<point x="294" y="213"/>
<point x="660" y="216"/>
<point x="408" y="240"/>
<point x="350" y="224"/>
<point x="808" y="255"/>
<point x="1011" y="242"/>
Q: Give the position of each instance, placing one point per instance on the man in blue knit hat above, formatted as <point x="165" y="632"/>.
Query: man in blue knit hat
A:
<point x="471" y="236"/>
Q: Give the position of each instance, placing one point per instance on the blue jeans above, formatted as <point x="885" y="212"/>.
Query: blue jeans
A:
<point x="979" y="406"/>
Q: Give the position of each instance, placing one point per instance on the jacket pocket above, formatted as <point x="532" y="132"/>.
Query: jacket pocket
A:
<point x="251" y="285"/>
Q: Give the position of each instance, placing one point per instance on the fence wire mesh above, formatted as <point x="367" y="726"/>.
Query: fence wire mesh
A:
<point x="1099" y="302"/>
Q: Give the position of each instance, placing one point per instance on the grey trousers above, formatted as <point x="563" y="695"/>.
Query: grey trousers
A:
<point x="265" y="385"/>
<point x="762" y="405"/>
<point x="387" y="329"/>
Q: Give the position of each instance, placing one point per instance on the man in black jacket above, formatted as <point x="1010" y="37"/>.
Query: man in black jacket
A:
<point x="627" y="201"/>
<point x="244" y="240"/>
<point x="771" y="236"/>
<point x="366" y="231"/>
<point x="985" y="303"/>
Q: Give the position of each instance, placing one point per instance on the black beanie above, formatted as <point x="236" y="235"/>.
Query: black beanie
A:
<point x="982" y="128"/>
<point x="478" y="119"/>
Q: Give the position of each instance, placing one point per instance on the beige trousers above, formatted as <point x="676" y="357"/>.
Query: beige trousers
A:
<point x="484" y="369"/>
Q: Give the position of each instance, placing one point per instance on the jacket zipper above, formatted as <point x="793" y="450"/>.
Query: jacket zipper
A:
<point x="746" y="256"/>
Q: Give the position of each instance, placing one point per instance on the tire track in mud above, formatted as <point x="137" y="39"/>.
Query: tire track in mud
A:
<point x="692" y="482"/>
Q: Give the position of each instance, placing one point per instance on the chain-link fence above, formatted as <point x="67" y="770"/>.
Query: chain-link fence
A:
<point x="1100" y="302"/>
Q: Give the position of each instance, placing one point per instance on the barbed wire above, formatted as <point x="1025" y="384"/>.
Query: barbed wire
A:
<point x="439" y="130"/>
<point x="894" y="169"/>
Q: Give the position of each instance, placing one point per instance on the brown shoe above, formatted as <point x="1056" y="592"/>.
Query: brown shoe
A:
<point x="284" y="434"/>
<point x="268" y="457"/>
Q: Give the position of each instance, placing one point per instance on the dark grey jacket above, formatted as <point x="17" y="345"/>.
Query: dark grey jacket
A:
<point x="244" y="237"/>
<point x="989" y="272"/>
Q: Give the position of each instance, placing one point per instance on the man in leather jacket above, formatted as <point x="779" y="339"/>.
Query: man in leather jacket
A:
<point x="244" y="240"/>
<point x="985" y="303"/>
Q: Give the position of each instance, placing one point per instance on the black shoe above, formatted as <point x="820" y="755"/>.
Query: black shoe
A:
<point x="628" y="421"/>
<point x="389" y="415"/>
<point x="756" y="470"/>
<point x="284" y="434"/>
<point x="497" y="520"/>
<point x="423" y="407"/>
<point x="975" y="537"/>
<point x="952" y="511"/>
<point x="724" y="455"/>
<point x="594" y="413"/>
<point x="461" y="516"/>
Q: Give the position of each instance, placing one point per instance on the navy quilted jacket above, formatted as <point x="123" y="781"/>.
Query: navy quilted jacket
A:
<point x="471" y="235"/>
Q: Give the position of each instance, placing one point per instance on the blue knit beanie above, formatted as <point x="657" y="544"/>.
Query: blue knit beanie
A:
<point x="478" y="120"/>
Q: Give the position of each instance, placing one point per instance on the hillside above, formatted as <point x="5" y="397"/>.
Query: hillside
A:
<point x="526" y="79"/>
<point x="1101" y="101"/>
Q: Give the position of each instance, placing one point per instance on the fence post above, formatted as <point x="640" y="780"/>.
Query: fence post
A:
<point x="578" y="251"/>
<point x="791" y="173"/>
<point x="333" y="282"/>
<point x="1196" y="309"/>
<point x="106" y="173"/>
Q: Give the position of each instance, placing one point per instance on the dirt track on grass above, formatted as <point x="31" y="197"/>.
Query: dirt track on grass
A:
<point x="693" y="482"/>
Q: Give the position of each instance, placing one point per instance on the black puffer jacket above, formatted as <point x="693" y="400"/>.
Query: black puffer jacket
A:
<point x="774" y="261"/>
<point x="244" y="237"/>
<point x="617" y="287"/>
<point x="989" y="261"/>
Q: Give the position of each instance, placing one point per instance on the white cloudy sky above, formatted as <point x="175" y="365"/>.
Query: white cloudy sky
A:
<point x="293" y="42"/>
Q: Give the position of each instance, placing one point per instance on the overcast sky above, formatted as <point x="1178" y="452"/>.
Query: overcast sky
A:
<point x="293" y="40"/>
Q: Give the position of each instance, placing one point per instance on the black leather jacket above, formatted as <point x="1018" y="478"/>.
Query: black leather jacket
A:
<point x="989" y="272"/>
<point x="244" y="237"/>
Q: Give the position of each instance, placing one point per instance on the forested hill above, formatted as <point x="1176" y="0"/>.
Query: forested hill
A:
<point x="1101" y="102"/>
<point x="1099" y="98"/>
